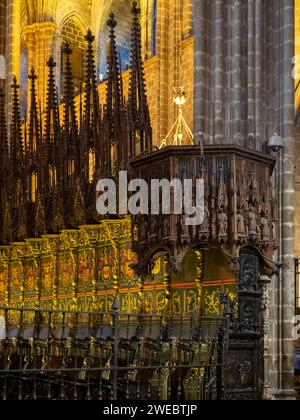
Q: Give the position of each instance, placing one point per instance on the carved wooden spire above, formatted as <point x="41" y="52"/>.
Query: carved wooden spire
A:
<point x="72" y="157"/>
<point x="3" y="138"/>
<point x="5" y="191"/>
<point x="115" y="150"/>
<point x="37" y="158"/>
<point x="56" y="221"/>
<point x="50" y="177"/>
<point x="112" y="149"/>
<point x="55" y="160"/>
<point x="19" y="199"/>
<point x="138" y="111"/>
<point x="70" y="120"/>
<point x="53" y="135"/>
<point x="91" y="128"/>
<point x="70" y="128"/>
<point x="75" y="206"/>
<point x="34" y="126"/>
<point x="52" y="129"/>
<point x="17" y="146"/>
<point x="35" y="138"/>
<point x="91" y="98"/>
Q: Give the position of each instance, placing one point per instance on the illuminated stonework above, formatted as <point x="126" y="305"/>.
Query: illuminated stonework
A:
<point x="35" y="31"/>
<point x="297" y="53"/>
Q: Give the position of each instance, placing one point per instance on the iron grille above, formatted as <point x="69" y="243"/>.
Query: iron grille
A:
<point x="76" y="355"/>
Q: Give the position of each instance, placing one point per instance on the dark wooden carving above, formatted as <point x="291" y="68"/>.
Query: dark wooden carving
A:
<point x="49" y="176"/>
<point x="6" y="176"/>
<point x="66" y="157"/>
<point x="243" y="368"/>
<point x="18" y="164"/>
<point x="239" y="210"/>
<point x="140" y="132"/>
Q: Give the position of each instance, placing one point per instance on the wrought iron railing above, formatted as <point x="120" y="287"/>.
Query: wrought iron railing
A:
<point x="76" y="355"/>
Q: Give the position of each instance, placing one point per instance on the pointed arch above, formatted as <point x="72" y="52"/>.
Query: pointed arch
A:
<point x="50" y="9"/>
<point x="26" y="17"/>
<point x="77" y="18"/>
<point x="73" y="23"/>
<point x="100" y="11"/>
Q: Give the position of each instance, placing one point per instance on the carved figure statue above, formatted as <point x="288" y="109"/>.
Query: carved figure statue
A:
<point x="185" y="228"/>
<point x="204" y="229"/>
<point x="265" y="228"/>
<point x="253" y="227"/>
<point x="222" y="223"/>
<point x="241" y="228"/>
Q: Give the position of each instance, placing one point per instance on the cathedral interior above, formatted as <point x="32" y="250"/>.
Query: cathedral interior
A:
<point x="147" y="307"/>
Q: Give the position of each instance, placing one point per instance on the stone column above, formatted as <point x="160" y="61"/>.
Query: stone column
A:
<point x="187" y="18"/>
<point x="13" y="49"/>
<point x="288" y="208"/>
<point x="162" y="52"/>
<point x="284" y="11"/>
<point x="201" y="64"/>
<point x="219" y="71"/>
<point x="237" y="74"/>
<point x="297" y="134"/>
<point x="40" y="38"/>
<point x="259" y="40"/>
<point x="264" y="284"/>
<point x="251" y="76"/>
<point x="146" y="29"/>
<point x="297" y="53"/>
<point x="58" y="60"/>
<point x="2" y="43"/>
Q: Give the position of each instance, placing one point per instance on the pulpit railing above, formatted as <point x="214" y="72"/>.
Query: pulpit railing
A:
<point x="64" y="355"/>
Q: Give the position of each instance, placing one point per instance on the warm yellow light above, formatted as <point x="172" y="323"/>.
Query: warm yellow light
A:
<point x="180" y="128"/>
<point x="296" y="60"/>
<point x="179" y="98"/>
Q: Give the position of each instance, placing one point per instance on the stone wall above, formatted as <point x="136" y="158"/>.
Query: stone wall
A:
<point x="285" y="53"/>
<point x="171" y="67"/>
<point x="235" y="72"/>
<point x="72" y="34"/>
<point x="2" y="26"/>
<point x="2" y="40"/>
<point x="297" y="134"/>
<point x="13" y="48"/>
<point x="152" y="70"/>
<point x="297" y="52"/>
<point x="244" y="92"/>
